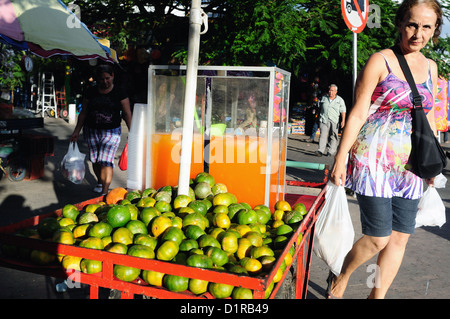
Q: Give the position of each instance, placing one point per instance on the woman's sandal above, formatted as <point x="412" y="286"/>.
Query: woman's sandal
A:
<point x="98" y="188"/>
<point x="330" y="279"/>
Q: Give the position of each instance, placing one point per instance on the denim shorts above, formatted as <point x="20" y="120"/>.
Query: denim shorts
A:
<point x="380" y="216"/>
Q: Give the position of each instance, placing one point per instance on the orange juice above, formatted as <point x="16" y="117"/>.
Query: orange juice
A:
<point x="166" y="158"/>
<point x="238" y="161"/>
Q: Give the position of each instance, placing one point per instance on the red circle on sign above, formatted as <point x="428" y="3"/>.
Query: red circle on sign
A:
<point x="347" y="6"/>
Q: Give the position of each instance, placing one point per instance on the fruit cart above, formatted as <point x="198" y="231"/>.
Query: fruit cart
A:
<point x="240" y="138"/>
<point x="302" y="241"/>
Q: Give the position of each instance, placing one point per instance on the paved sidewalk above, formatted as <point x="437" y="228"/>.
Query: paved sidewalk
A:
<point x="424" y="274"/>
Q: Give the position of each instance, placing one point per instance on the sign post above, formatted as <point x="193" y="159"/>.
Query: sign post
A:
<point x="355" y="13"/>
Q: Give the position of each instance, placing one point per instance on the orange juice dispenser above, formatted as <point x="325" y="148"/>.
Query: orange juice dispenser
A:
<point x="240" y="129"/>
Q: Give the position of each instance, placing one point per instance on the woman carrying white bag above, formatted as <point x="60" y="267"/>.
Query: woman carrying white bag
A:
<point x="377" y="139"/>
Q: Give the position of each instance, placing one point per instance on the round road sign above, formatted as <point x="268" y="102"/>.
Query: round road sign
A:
<point x="355" y="13"/>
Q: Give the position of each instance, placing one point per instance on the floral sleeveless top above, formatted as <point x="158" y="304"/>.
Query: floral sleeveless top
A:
<point x="376" y="165"/>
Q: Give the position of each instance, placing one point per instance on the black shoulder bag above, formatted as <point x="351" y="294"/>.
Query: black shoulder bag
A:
<point x="427" y="158"/>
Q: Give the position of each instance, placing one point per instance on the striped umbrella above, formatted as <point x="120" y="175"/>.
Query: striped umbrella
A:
<point x="48" y="28"/>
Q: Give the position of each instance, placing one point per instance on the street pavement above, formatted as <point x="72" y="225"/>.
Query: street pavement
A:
<point x="424" y="274"/>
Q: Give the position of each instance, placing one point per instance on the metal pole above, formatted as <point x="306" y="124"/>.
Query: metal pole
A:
<point x="355" y="60"/>
<point x="195" y="22"/>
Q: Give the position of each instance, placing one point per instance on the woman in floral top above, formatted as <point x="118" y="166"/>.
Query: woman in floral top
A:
<point x="377" y="141"/>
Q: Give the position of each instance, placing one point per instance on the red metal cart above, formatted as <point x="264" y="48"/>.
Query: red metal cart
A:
<point x="106" y="279"/>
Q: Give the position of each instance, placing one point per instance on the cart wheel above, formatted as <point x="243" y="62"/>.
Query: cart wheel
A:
<point x="50" y="113"/>
<point x="63" y="113"/>
<point x="16" y="172"/>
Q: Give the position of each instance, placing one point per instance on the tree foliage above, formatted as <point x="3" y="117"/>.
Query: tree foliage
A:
<point x="297" y="35"/>
<point x="136" y="22"/>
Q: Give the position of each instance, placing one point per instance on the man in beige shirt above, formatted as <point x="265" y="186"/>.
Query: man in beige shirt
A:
<point x="331" y="107"/>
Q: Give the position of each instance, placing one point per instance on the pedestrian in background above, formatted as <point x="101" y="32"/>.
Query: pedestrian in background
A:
<point x="104" y="105"/>
<point x="314" y="108"/>
<point x="315" y="111"/>
<point x="377" y="141"/>
<point x="332" y="106"/>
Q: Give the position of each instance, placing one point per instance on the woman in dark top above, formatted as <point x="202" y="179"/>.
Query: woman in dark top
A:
<point x="104" y="106"/>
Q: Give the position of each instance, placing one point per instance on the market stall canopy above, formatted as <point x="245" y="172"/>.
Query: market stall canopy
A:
<point x="107" y="43"/>
<point x="48" y="28"/>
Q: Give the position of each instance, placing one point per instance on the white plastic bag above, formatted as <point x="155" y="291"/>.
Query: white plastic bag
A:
<point x="73" y="168"/>
<point x="440" y="181"/>
<point x="334" y="233"/>
<point x="431" y="209"/>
